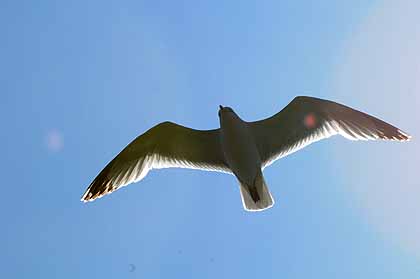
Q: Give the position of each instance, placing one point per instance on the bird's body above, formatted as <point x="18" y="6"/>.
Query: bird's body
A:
<point x="241" y="155"/>
<point x="241" y="148"/>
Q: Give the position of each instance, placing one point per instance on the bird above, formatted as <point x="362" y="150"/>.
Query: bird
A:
<point x="243" y="149"/>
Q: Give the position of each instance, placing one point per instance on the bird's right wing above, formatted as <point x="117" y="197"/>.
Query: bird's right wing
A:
<point x="163" y="146"/>
<point x="306" y="120"/>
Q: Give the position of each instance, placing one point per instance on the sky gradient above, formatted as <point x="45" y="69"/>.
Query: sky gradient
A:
<point x="81" y="79"/>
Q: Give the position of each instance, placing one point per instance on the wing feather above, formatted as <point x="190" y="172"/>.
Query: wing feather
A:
<point x="166" y="145"/>
<point x="306" y="120"/>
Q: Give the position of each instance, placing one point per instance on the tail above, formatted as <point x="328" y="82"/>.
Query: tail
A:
<point x="256" y="197"/>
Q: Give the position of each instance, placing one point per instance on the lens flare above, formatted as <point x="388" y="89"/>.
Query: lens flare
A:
<point x="380" y="68"/>
<point x="309" y="121"/>
<point x="54" y="141"/>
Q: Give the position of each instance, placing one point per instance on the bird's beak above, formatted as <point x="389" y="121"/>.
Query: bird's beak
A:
<point x="220" y="106"/>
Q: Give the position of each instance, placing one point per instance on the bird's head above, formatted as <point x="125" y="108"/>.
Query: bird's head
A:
<point x="223" y="110"/>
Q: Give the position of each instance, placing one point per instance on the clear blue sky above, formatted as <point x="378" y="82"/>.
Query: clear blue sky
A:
<point x="80" y="79"/>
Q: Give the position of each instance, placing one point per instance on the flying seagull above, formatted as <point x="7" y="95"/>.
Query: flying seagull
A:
<point x="238" y="147"/>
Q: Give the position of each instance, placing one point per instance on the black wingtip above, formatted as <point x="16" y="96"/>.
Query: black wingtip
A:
<point x="99" y="187"/>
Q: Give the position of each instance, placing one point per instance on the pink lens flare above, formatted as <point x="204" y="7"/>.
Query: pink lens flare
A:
<point x="54" y="141"/>
<point x="309" y="121"/>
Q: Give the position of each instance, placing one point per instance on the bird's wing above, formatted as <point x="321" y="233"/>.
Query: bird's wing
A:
<point x="163" y="146"/>
<point x="306" y="120"/>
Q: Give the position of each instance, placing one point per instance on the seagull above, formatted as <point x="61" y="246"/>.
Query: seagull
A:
<point x="238" y="147"/>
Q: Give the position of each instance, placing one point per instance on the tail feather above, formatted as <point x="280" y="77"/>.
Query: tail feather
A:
<point x="256" y="197"/>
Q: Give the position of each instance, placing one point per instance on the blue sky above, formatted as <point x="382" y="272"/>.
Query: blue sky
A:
<point x="81" y="79"/>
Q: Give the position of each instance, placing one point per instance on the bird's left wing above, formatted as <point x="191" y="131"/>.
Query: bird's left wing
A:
<point x="306" y="120"/>
<point x="163" y="146"/>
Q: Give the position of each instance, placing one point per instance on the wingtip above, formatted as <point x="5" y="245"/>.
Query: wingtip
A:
<point x="84" y="198"/>
<point x="88" y="196"/>
<point x="404" y="136"/>
<point x="396" y="136"/>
